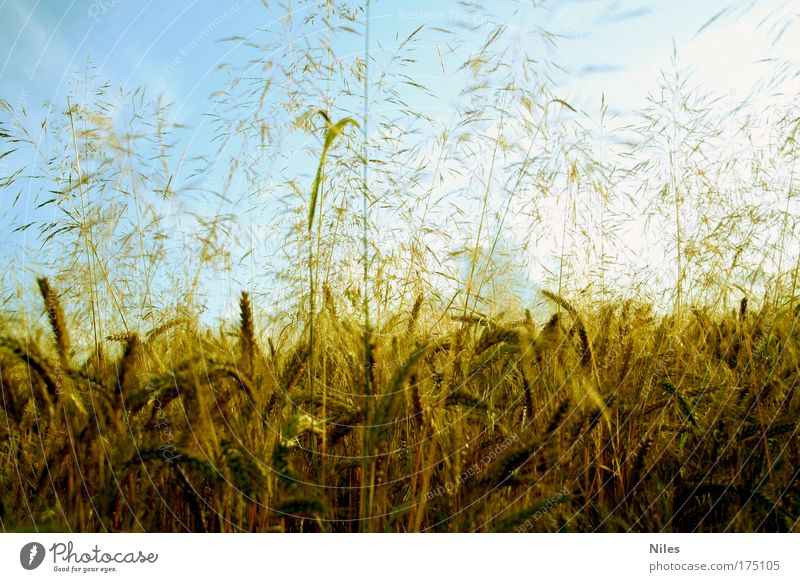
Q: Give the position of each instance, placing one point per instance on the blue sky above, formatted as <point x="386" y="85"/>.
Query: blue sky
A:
<point x="613" y="48"/>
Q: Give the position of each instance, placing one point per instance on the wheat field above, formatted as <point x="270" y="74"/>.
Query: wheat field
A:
<point x="607" y="418"/>
<point x="382" y="361"/>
